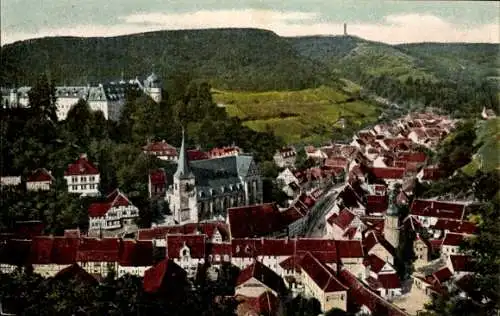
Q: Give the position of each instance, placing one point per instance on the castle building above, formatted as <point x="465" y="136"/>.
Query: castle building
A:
<point x="205" y="189"/>
<point x="109" y="98"/>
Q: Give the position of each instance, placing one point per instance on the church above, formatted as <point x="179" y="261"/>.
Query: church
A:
<point x="205" y="189"/>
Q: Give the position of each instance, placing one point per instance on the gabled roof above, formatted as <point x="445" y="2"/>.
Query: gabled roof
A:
<point x="207" y="228"/>
<point x="163" y="276"/>
<point x="343" y="219"/>
<point x="40" y="175"/>
<point x="432" y="174"/>
<point x="376" y="203"/>
<point x="136" y="253"/>
<point x="254" y="220"/>
<point x="98" y="250"/>
<point x="385" y="281"/>
<point x="56" y="250"/>
<point x="461" y="263"/>
<point x="439" y="209"/>
<point x="264" y="275"/>
<point x="114" y="199"/>
<point x="291" y="263"/>
<point x="161" y="148"/>
<point x="321" y="274"/>
<point x="74" y="271"/>
<point x="359" y="295"/>
<point x="442" y="275"/>
<point x="81" y="167"/>
<point x="195" y="244"/>
<point x="374" y="263"/>
<point x="373" y="238"/>
<point x="158" y="177"/>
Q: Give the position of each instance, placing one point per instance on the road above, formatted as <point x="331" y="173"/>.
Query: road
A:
<point x="315" y="220"/>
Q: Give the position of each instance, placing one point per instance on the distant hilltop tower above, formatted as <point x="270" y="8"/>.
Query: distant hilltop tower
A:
<point x="345" y="29"/>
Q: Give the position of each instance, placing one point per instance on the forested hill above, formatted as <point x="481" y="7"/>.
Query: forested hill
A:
<point x="353" y="56"/>
<point x="242" y="59"/>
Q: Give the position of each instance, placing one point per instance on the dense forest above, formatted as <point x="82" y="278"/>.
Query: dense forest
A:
<point x="115" y="147"/>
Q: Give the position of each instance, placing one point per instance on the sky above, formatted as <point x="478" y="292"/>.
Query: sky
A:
<point x="391" y="22"/>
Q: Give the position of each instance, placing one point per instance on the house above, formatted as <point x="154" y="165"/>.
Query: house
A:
<point x="428" y="212"/>
<point x="135" y="257"/>
<point x="161" y="150"/>
<point x="375" y="243"/>
<point x="165" y="278"/>
<point x="157" y="183"/>
<point x="430" y="174"/>
<point x="351" y="255"/>
<point x="10" y="180"/>
<point x="98" y="256"/>
<point x="40" y="180"/>
<point x="389" y="175"/>
<point x="256" y="279"/>
<point x="460" y="265"/>
<point x="48" y="255"/>
<point x="321" y="283"/>
<point x="267" y="304"/>
<point x="338" y="224"/>
<point x="115" y="212"/>
<point x="255" y="221"/>
<point x="187" y="251"/>
<point x="82" y="177"/>
<point x="451" y="244"/>
<point x="75" y="272"/>
<point x="285" y="157"/>
<point x="433" y="283"/>
<point x="388" y="285"/>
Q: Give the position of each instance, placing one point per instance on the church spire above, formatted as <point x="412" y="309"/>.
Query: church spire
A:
<point x="183" y="170"/>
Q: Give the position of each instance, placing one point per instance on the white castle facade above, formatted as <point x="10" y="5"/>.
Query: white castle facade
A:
<point x="108" y="98"/>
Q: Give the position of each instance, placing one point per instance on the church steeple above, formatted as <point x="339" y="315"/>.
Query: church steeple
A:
<point x="183" y="171"/>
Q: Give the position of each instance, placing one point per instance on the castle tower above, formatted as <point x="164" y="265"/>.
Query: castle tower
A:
<point x="391" y="221"/>
<point x="345" y="29"/>
<point x="152" y="87"/>
<point x="182" y="196"/>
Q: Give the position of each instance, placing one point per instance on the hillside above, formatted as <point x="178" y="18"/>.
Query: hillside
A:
<point x="353" y="56"/>
<point x="297" y="116"/>
<point x="244" y="59"/>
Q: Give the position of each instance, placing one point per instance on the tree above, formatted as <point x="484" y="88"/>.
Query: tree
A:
<point x="42" y="99"/>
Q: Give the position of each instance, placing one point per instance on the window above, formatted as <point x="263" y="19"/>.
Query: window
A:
<point x="74" y="179"/>
<point x="341" y="297"/>
<point x="84" y="179"/>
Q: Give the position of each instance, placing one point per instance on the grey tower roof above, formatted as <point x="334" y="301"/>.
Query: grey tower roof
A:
<point x="183" y="171"/>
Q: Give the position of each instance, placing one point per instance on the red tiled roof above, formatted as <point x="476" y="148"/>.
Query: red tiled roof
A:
<point x="217" y="152"/>
<point x="412" y="157"/>
<point x="358" y="295"/>
<point x="207" y="228"/>
<point x="455" y="226"/>
<point x="81" y="167"/>
<point x="307" y="200"/>
<point x="291" y="215"/>
<point x="376" y="204"/>
<point x="98" y="250"/>
<point x="57" y="250"/>
<point x="158" y="177"/>
<point x="388" y="173"/>
<point x="195" y="244"/>
<point x="461" y="263"/>
<point x="343" y="219"/>
<point x="350" y="233"/>
<point x="224" y="249"/>
<point x="323" y="249"/>
<point x="336" y="162"/>
<point x="265" y="275"/>
<point x="291" y="263"/>
<point x="254" y="221"/>
<point x="160" y="148"/>
<point x="40" y="175"/>
<point x="374" y="263"/>
<point x="321" y="275"/>
<point x="164" y="274"/>
<point x="114" y="199"/>
<point x="265" y="305"/>
<point x="438" y="209"/>
<point x="28" y="229"/>
<point x="349" y="248"/>
<point x="195" y="154"/>
<point x="136" y="253"/>
<point x="276" y="247"/>
<point x="389" y="281"/>
<point x="452" y="239"/>
<point x="442" y="275"/>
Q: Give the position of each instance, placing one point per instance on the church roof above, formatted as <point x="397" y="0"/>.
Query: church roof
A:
<point x="183" y="171"/>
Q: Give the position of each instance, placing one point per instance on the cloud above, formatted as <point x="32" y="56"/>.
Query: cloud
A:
<point x="401" y="28"/>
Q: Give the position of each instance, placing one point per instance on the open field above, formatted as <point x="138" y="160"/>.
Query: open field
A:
<point x="296" y="116"/>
